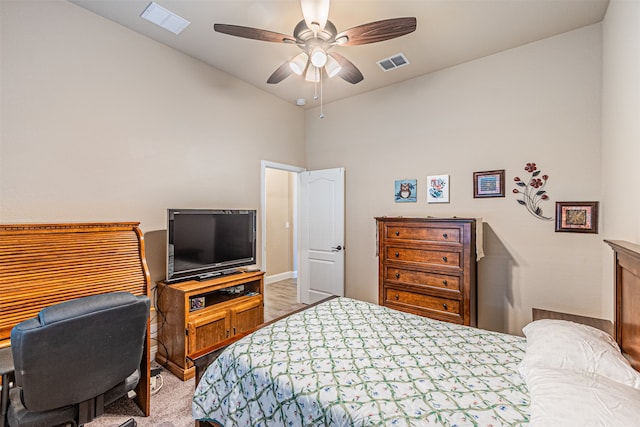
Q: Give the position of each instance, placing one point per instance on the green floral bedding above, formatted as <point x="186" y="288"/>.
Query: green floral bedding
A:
<point x="351" y="363"/>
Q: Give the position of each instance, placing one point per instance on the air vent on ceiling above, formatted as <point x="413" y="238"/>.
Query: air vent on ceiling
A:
<point x="393" y="62"/>
<point x="165" y="18"/>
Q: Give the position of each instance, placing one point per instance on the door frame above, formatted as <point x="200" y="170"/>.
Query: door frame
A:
<point x="266" y="164"/>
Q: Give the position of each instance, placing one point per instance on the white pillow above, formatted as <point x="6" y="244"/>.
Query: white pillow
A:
<point x="566" y="398"/>
<point x="568" y="345"/>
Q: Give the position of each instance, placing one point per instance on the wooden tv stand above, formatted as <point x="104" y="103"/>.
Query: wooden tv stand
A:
<point x="196" y="314"/>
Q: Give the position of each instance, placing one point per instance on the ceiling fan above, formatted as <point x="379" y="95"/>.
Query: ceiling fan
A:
<point x="315" y="35"/>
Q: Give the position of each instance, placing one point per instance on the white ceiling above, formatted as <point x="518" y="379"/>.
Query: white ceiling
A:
<point x="449" y="32"/>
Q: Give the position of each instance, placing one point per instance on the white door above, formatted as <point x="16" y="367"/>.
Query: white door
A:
<point x="321" y="263"/>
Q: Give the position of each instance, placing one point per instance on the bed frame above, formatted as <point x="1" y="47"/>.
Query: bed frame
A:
<point x="627" y="299"/>
<point x="45" y="264"/>
<point x="626" y="329"/>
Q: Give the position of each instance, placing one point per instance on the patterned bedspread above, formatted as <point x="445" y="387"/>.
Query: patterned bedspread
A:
<point x="351" y="363"/>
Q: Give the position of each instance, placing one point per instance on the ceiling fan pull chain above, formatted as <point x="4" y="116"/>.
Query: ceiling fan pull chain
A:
<point x="321" y="111"/>
<point x="315" y="91"/>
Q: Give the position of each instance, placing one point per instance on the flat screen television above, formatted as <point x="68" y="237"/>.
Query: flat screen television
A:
<point x="204" y="243"/>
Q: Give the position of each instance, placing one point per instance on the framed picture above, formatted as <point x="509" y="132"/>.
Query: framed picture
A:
<point x="406" y="191"/>
<point x="577" y="217"/>
<point x="488" y="184"/>
<point x="438" y="189"/>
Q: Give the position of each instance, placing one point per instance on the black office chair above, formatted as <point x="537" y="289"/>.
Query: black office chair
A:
<point x="75" y="358"/>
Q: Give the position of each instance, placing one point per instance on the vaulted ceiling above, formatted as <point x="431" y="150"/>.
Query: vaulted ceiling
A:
<point x="448" y="32"/>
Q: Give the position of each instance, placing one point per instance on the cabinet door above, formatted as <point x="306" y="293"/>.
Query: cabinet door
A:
<point x="205" y="329"/>
<point x="247" y="315"/>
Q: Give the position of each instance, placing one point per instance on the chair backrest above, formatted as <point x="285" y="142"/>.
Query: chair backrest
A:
<point x="78" y="349"/>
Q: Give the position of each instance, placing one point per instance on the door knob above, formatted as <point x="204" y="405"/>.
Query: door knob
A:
<point x="337" y="248"/>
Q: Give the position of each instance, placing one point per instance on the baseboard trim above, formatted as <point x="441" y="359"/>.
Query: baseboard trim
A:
<point x="281" y="276"/>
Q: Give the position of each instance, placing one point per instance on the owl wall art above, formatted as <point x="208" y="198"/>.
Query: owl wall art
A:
<point x="406" y="191"/>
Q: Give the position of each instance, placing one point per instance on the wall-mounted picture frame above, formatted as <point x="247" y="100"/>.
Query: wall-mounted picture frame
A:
<point x="577" y="217"/>
<point x="406" y="191"/>
<point x="488" y="184"/>
<point x="438" y="189"/>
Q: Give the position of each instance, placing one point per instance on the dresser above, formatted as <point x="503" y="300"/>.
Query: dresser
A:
<point x="427" y="266"/>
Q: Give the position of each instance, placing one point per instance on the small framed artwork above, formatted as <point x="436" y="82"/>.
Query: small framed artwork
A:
<point x="406" y="191"/>
<point x="488" y="184"/>
<point x="577" y="217"/>
<point x="438" y="189"/>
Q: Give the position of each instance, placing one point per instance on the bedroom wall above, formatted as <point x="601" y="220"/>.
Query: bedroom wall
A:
<point x="102" y="124"/>
<point x="620" y="125"/>
<point x="537" y="103"/>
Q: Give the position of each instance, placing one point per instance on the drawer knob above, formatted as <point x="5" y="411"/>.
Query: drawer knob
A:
<point x="397" y="297"/>
<point x="444" y="282"/>
<point x="397" y="275"/>
<point x="444" y="258"/>
<point x="397" y="254"/>
<point x="444" y="306"/>
<point x="397" y="233"/>
<point x="445" y="235"/>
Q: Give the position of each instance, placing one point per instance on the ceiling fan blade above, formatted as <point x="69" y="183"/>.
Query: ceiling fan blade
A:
<point x="253" y="33"/>
<point x="281" y="73"/>
<point x="349" y="72"/>
<point x="377" y="31"/>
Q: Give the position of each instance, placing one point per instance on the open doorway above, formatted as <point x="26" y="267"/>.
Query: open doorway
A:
<point x="279" y="237"/>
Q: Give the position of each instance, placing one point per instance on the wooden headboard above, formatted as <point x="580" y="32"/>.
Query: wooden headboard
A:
<point x="44" y="264"/>
<point x="627" y="299"/>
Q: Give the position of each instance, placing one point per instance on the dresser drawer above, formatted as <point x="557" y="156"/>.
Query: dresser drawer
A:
<point x="421" y="301"/>
<point x="424" y="256"/>
<point x="441" y="234"/>
<point x="412" y="277"/>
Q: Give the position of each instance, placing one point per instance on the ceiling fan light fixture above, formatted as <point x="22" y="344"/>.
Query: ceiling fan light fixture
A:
<point x="313" y="74"/>
<point x="318" y="57"/>
<point x="316" y="13"/>
<point x="298" y="63"/>
<point x="332" y="67"/>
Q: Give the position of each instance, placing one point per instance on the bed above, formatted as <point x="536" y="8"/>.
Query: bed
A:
<point x="350" y="363"/>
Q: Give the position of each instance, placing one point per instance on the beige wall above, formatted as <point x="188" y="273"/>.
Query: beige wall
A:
<point x="99" y="123"/>
<point x="621" y="125"/>
<point x="537" y="103"/>
<point x="279" y="239"/>
<point x="102" y="124"/>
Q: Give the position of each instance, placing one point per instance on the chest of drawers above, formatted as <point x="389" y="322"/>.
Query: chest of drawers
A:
<point x="427" y="266"/>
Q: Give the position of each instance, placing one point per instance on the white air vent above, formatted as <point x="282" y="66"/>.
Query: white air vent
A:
<point x="393" y="62"/>
<point x="164" y="18"/>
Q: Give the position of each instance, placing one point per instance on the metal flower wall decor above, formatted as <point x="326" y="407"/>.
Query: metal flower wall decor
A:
<point x="533" y="192"/>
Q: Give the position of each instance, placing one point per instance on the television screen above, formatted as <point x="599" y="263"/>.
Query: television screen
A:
<point x="203" y="243"/>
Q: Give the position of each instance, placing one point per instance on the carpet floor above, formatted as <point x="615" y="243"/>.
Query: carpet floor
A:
<point x="170" y="407"/>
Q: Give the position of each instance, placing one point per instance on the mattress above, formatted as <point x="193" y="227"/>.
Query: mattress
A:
<point x="351" y="363"/>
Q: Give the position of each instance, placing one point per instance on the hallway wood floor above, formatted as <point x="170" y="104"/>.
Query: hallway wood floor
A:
<point x="280" y="298"/>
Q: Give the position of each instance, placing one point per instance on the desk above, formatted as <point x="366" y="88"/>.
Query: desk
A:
<point x="6" y="370"/>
